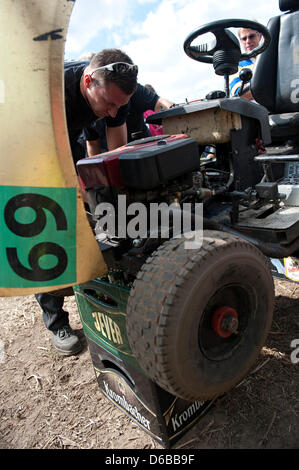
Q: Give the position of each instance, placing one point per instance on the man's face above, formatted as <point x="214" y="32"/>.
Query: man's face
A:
<point x="105" y="99"/>
<point x="249" y="39"/>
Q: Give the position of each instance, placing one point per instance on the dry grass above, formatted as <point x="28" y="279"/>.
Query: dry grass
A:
<point x="49" y="402"/>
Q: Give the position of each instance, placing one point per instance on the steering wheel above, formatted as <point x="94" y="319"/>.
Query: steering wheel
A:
<point x="224" y="52"/>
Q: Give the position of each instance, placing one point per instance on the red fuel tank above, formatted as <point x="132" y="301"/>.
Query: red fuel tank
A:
<point x="104" y="169"/>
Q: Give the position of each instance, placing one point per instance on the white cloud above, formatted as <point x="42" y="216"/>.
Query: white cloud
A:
<point x="91" y="18"/>
<point x="160" y="54"/>
<point x="143" y="2"/>
<point x="155" y="39"/>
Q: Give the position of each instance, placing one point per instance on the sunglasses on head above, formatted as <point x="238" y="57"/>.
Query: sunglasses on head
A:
<point x="250" y="36"/>
<point x="118" y="67"/>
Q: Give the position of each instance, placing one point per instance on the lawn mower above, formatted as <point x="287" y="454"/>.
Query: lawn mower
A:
<point x="197" y="318"/>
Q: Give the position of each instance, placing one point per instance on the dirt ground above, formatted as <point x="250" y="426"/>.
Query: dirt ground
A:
<point x="53" y="402"/>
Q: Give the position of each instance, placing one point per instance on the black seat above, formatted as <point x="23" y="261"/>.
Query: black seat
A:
<point x="275" y="82"/>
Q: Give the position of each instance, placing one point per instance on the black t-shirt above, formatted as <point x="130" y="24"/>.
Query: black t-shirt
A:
<point x="78" y="112"/>
<point x="142" y="100"/>
<point x="97" y="131"/>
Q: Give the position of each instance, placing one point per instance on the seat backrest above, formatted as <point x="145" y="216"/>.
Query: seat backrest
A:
<point x="275" y="82"/>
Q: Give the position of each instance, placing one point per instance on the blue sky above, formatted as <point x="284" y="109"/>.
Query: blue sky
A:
<point x="152" y="33"/>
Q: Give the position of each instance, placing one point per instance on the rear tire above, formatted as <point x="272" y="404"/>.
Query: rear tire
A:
<point x="172" y="321"/>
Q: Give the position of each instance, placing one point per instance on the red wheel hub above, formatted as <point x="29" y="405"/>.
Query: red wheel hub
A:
<point x="225" y="322"/>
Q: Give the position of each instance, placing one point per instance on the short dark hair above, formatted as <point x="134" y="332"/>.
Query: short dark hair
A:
<point x="150" y="87"/>
<point x="127" y="82"/>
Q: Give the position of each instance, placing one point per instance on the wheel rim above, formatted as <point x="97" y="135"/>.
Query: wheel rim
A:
<point x="225" y="320"/>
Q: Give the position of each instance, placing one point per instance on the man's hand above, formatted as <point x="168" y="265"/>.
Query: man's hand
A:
<point x="162" y="103"/>
<point x="247" y="95"/>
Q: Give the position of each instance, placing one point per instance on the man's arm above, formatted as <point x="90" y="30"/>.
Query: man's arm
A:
<point x="116" y="136"/>
<point x="93" y="147"/>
